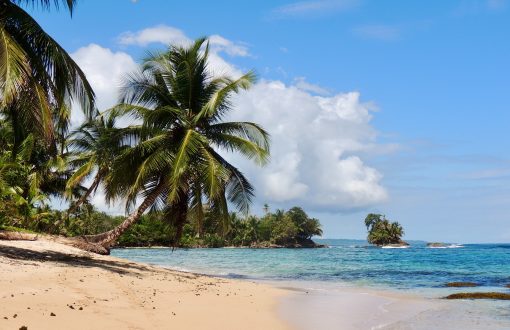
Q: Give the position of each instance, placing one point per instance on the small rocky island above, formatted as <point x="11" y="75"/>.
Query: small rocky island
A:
<point x="383" y="232"/>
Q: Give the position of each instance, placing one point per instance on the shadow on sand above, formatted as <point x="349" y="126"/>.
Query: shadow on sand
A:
<point x="17" y="253"/>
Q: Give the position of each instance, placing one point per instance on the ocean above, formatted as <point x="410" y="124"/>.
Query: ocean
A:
<point x="417" y="270"/>
<point x="346" y="262"/>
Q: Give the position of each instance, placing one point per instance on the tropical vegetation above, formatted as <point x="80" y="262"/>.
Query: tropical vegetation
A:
<point x="170" y="162"/>
<point x="39" y="81"/>
<point x="291" y="228"/>
<point x="382" y="231"/>
<point x="176" y="164"/>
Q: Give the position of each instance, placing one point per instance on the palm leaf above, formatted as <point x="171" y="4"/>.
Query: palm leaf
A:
<point x="47" y="4"/>
<point x="220" y="97"/>
<point x="14" y="67"/>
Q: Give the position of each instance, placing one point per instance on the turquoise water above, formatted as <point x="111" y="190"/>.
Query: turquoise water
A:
<point x="346" y="262"/>
<point x="326" y="272"/>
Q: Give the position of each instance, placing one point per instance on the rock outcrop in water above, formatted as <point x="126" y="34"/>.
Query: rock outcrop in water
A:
<point x="437" y="245"/>
<point x="480" y="295"/>
<point x="461" y="284"/>
<point x="400" y="244"/>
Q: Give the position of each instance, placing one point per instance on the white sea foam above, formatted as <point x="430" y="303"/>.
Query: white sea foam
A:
<point x="451" y="246"/>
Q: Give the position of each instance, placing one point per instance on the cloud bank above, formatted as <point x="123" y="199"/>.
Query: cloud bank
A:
<point x="319" y="140"/>
<point x="316" y="147"/>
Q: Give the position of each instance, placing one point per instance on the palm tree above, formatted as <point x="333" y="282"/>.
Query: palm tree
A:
<point x="37" y="76"/>
<point x="395" y="231"/>
<point x="382" y="231"/>
<point x="311" y="227"/>
<point x="97" y="142"/>
<point x="177" y="166"/>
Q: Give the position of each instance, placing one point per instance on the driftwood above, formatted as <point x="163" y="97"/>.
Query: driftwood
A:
<point x="17" y="236"/>
<point x="77" y="242"/>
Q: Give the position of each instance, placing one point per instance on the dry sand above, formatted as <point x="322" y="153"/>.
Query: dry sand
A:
<point x="47" y="285"/>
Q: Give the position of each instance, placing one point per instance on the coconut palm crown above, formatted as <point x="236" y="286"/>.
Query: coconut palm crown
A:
<point x="95" y="144"/>
<point x="37" y="76"/>
<point x="178" y="165"/>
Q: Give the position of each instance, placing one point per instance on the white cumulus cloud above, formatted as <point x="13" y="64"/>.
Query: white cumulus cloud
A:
<point x="158" y="34"/>
<point x="316" y="147"/>
<point x="166" y="35"/>
<point x="104" y="70"/>
<point x="318" y="143"/>
<point x="301" y="83"/>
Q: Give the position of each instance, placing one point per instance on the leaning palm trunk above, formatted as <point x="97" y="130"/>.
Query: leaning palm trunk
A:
<point x="107" y="239"/>
<point x="84" y="197"/>
<point x="54" y="228"/>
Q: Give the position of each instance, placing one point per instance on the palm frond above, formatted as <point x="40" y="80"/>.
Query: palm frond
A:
<point x="14" y="67"/>
<point x="50" y="64"/>
<point x="219" y="99"/>
<point x="188" y="146"/>
<point x="47" y="4"/>
<point x="247" y="130"/>
<point x="81" y="173"/>
<point x="245" y="147"/>
<point x="238" y="189"/>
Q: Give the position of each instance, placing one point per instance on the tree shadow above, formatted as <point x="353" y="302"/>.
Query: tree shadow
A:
<point x="17" y="253"/>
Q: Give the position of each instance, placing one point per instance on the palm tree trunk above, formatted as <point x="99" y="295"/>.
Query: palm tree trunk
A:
<point x="86" y="195"/>
<point x="80" y="201"/>
<point x="107" y="239"/>
<point x="181" y="213"/>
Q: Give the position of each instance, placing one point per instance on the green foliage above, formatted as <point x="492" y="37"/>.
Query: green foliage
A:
<point x="381" y="231"/>
<point x="16" y="229"/>
<point x="306" y="227"/>
<point x="151" y="230"/>
<point x="38" y="78"/>
<point x="280" y="227"/>
<point x="172" y="156"/>
<point x="213" y="240"/>
<point x="176" y="160"/>
<point x="284" y="230"/>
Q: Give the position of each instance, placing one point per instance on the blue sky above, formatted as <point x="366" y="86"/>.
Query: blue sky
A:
<point x="428" y="143"/>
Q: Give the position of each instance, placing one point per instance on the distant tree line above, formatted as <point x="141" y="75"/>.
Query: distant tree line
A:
<point x="292" y="228"/>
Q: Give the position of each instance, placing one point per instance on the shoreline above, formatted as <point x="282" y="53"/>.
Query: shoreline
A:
<point x="41" y="278"/>
<point x="342" y="305"/>
<point x="47" y="285"/>
<point x="331" y="306"/>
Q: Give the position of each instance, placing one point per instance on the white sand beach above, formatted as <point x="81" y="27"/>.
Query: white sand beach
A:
<point x="47" y="285"/>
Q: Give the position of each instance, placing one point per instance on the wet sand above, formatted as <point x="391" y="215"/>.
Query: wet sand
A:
<point x="351" y="308"/>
